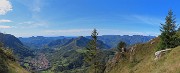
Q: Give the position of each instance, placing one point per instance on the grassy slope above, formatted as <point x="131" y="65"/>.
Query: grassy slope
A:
<point x="15" y="68"/>
<point x="145" y="63"/>
<point x="8" y="65"/>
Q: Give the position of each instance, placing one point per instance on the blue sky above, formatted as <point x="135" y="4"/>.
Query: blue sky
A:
<point x="24" y="18"/>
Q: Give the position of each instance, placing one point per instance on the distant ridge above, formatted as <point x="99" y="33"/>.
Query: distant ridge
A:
<point x="110" y="40"/>
<point x="15" y="44"/>
<point x="113" y="40"/>
<point x="75" y="43"/>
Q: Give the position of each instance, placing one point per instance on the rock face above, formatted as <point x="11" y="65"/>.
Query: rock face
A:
<point x="132" y="52"/>
<point x="112" y="63"/>
<point x="116" y="59"/>
<point x="158" y="54"/>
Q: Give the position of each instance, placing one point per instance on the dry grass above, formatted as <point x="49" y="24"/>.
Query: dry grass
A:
<point x="16" y="68"/>
<point x="145" y="63"/>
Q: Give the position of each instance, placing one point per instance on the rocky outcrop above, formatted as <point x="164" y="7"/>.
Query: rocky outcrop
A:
<point x="152" y="42"/>
<point x="158" y="54"/>
<point x="119" y="56"/>
<point x="112" y="63"/>
<point x="132" y="52"/>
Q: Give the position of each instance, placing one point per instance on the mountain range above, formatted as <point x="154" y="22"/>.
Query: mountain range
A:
<point x="110" y="40"/>
<point x="113" y="40"/>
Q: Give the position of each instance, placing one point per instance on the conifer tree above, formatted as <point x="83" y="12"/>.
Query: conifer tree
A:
<point x="168" y="30"/>
<point x="120" y="46"/>
<point x="91" y="55"/>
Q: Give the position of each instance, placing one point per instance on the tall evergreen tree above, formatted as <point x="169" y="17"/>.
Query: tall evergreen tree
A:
<point x="168" y="30"/>
<point x="91" y="55"/>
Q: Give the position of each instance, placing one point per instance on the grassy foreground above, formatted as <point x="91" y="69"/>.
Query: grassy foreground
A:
<point x="143" y="61"/>
<point x="16" y="68"/>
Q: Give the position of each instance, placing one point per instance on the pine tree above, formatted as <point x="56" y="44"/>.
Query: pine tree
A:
<point x="122" y="49"/>
<point x="168" y="30"/>
<point x="91" y="55"/>
<point x="120" y="46"/>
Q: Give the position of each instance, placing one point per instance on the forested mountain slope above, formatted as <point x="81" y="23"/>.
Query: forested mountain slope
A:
<point x="15" y="44"/>
<point x="38" y="42"/>
<point x="70" y="57"/>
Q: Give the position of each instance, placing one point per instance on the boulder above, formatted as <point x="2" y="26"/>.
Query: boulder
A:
<point x="152" y="42"/>
<point x="158" y="54"/>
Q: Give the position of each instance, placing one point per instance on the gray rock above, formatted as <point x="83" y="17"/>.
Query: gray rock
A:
<point x="158" y="54"/>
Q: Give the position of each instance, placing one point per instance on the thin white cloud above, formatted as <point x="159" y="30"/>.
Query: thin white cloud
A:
<point x="36" y="7"/>
<point x="147" y="19"/>
<point x="68" y="31"/>
<point x="33" y="5"/>
<point x="87" y="32"/>
<point x="33" y="24"/>
<point x="4" y="27"/>
<point x="5" y="6"/>
<point x="5" y="21"/>
<point x="125" y="32"/>
<point x="27" y="22"/>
